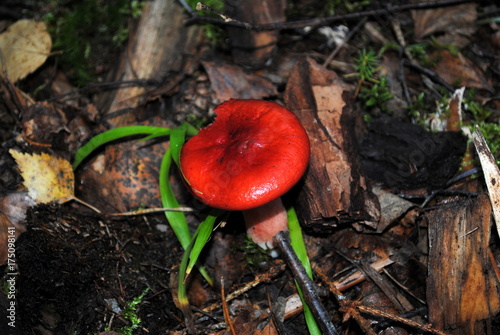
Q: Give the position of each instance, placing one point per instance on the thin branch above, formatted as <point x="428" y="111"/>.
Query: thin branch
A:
<point x="282" y="240"/>
<point x="322" y="21"/>
<point x="430" y="74"/>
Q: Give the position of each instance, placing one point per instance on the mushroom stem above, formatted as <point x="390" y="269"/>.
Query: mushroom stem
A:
<point x="265" y="221"/>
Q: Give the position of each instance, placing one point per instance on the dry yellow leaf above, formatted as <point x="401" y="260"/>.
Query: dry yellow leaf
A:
<point x="47" y="178"/>
<point x="24" y="47"/>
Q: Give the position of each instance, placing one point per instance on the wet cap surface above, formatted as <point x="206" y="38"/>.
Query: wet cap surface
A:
<point x="253" y="152"/>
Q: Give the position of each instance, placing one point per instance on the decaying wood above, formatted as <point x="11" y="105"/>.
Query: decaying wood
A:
<point x="405" y="156"/>
<point x="156" y="48"/>
<point x="335" y="190"/>
<point x="462" y="290"/>
<point x="251" y="48"/>
<point x="491" y="174"/>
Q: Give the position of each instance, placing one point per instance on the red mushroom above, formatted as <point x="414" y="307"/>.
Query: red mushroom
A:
<point x="252" y="154"/>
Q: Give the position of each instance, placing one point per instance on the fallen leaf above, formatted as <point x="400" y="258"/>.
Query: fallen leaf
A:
<point x="230" y="81"/>
<point x="456" y="23"/>
<point x="24" y="47"/>
<point x="460" y="70"/>
<point x="47" y="178"/>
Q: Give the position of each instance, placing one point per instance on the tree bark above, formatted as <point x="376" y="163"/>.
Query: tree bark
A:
<point x="462" y="289"/>
<point x="335" y="190"/>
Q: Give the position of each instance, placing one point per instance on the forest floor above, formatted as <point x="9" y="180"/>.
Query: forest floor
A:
<point x="394" y="208"/>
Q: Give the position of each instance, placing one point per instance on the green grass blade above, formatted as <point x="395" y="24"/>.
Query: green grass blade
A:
<point x="177" y="220"/>
<point x="115" y="134"/>
<point x="182" y="296"/>
<point x="202" y="235"/>
<point x="297" y="240"/>
<point x="189" y="259"/>
<point x="298" y="245"/>
<point x="191" y="130"/>
<point x="177" y="138"/>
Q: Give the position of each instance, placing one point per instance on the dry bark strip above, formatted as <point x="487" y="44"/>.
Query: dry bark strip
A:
<point x="335" y="191"/>
<point x="462" y="291"/>
<point x="158" y="46"/>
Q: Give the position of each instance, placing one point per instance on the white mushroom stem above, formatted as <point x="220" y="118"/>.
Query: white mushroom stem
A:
<point x="264" y="222"/>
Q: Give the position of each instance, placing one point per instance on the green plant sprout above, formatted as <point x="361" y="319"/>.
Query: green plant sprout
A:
<point x="372" y="90"/>
<point x="376" y="95"/>
<point x="366" y="65"/>
<point x="192" y="245"/>
<point x="130" y="314"/>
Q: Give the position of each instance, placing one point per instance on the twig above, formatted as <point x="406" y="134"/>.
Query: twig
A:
<point x="375" y="312"/>
<point x="351" y="309"/>
<point x="347" y="39"/>
<point x="430" y="74"/>
<point x="153" y="210"/>
<point x="225" y="310"/>
<point x="225" y="18"/>
<point x="187" y="7"/>
<point x="305" y="283"/>
<point x="346" y="305"/>
<point x="262" y="278"/>
<point x="322" y="21"/>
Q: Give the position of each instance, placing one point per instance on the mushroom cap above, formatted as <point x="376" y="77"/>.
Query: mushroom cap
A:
<point x="253" y="153"/>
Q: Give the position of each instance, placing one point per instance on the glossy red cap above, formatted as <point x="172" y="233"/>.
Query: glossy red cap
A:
<point x="253" y="153"/>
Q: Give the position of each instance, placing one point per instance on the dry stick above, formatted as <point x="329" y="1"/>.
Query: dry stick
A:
<point x="153" y="210"/>
<point x="398" y="32"/>
<point x="348" y="307"/>
<point x="430" y="74"/>
<point x="352" y="309"/>
<point x="225" y="310"/>
<point x="322" y="21"/>
<point x="282" y="240"/>
<point x="262" y="278"/>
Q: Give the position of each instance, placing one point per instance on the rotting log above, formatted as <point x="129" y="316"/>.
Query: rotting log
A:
<point x="125" y="175"/>
<point x="157" y="47"/>
<point x="334" y="191"/>
<point x="462" y="289"/>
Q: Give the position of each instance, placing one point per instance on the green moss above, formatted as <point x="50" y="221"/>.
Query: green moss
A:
<point x="85" y="32"/>
<point x="130" y="314"/>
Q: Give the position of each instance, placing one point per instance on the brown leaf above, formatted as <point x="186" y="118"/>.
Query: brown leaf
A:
<point x="455" y="22"/>
<point x="47" y="178"/>
<point x="24" y="46"/>
<point x="460" y="70"/>
<point x="230" y="81"/>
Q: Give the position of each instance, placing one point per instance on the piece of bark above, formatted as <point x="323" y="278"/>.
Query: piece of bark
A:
<point x="125" y="175"/>
<point x="157" y="47"/>
<point x="334" y="191"/>
<point x="254" y="48"/>
<point x="230" y="81"/>
<point x="392" y="208"/>
<point x="462" y="291"/>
